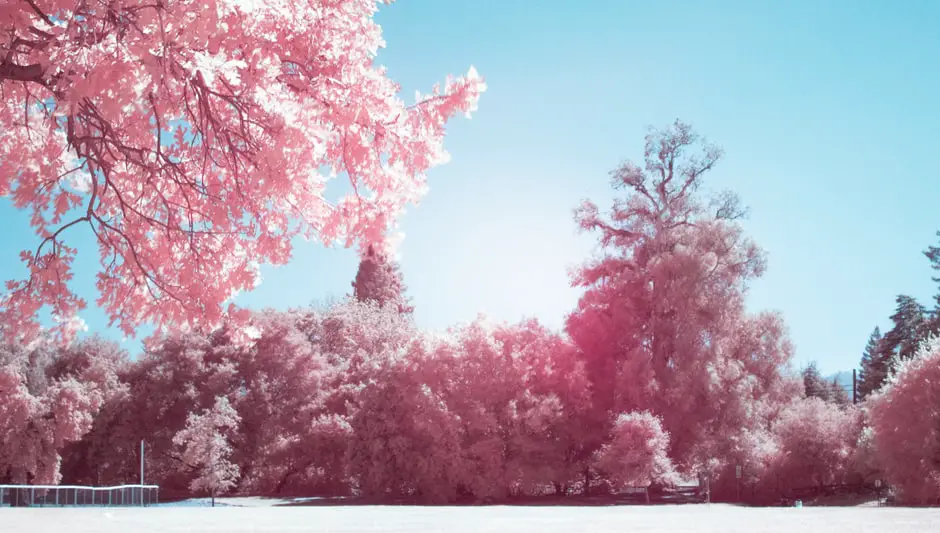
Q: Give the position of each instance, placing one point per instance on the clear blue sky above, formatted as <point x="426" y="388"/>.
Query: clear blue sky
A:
<point x="828" y="112"/>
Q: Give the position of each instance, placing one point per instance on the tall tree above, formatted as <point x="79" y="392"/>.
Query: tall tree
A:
<point x="933" y="254"/>
<point x="379" y="281"/>
<point x="874" y="366"/>
<point x="661" y="324"/>
<point x="188" y="139"/>
<point x="908" y="331"/>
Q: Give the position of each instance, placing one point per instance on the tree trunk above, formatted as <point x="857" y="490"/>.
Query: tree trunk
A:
<point x="587" y="481"/>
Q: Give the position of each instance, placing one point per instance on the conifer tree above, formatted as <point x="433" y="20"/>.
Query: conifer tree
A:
<point x="814" y="386"/>
<point x="933" y="254"/>
<point x="874" y="367"/>
<point x="379" y="280"/>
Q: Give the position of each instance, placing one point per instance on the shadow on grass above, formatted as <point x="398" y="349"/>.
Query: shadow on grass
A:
<point x="527" y="501"/>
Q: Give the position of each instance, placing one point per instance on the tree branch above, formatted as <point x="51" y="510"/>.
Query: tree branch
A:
<point x="9" y="71"/>
<point x="39" y="12"/>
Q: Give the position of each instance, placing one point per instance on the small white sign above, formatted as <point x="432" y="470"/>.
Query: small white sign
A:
<point x="737" y="471"/>
<point x="878" y="483"/>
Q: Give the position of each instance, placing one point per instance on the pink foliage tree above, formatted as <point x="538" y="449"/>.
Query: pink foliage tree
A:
<point x="50" y="397"/>
<point x="905" y="417"/>
<point x="519" y="393"/>
<point x="387" y="388"/>
<point x="662" y="325"/>
<point x="637" y="453"/>
<point x="405" y="438"/>
<point x="817" y="442"/>
<point x="206" y="449"/>
<point x="188" y="137"/>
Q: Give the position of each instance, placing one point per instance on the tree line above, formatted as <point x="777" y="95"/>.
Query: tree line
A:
<point x="660" y="376"/>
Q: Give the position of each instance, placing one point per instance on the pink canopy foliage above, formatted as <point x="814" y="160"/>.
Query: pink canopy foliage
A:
<point x="206" y="449"/>
<point x="188" y="138"/>
<point x="50" y="397"/>
<point x="402" y="438"/>
<point x="517" y="390"/>
<point x="817" y="442"/>
<point x="637" y="454"/>
<point x="905" y="417"/>
<point x="276" y="383"/>
<point x="405" y="438"/>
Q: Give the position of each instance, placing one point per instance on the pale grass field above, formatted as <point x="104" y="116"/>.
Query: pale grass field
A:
<point x="705" y="518"/>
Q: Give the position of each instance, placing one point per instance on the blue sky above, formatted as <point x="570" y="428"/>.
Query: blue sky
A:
<point x="827" y="111"/>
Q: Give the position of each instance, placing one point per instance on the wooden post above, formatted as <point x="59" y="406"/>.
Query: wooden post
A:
<point x="854" y="388"/>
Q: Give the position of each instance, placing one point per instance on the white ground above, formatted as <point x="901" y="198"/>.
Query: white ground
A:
<point x="688" y="518"/>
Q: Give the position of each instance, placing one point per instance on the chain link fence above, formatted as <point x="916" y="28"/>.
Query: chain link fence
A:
<point x="70" y="495"/>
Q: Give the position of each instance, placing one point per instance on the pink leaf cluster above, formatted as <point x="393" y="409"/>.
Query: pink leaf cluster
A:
<point x="189" y="136"/>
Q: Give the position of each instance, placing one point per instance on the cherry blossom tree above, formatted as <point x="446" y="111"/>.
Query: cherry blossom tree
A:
<point x="205" y="448"/>
<point x="905" y="418"/>
<point x="187" y="137"/>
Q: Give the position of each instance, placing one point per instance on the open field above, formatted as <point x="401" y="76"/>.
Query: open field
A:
<point x="698" y="518"/>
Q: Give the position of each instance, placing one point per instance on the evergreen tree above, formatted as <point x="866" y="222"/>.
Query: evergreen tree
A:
<point x="933" y="254"/>
<point x="908" y="331"/>
<point x="874" y="366"/>
<point x="380" y="281"/>
<point x="837" y="393"/>
<point x="814" y="386"/>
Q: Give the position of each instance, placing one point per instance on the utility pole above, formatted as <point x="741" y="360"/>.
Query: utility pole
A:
<point x="854" y="388"/>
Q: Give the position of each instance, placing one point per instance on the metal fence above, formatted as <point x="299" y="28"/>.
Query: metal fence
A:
<point x="70" y="495"/>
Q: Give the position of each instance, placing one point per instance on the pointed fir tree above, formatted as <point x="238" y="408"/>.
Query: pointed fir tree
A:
<point x="379" y="281"/>
<point x="874" y="368"/>
<point x="933" y="254"/>
<point x="909" y="330"/>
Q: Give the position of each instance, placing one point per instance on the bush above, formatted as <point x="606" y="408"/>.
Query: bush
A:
<point x="906" y="422"/>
